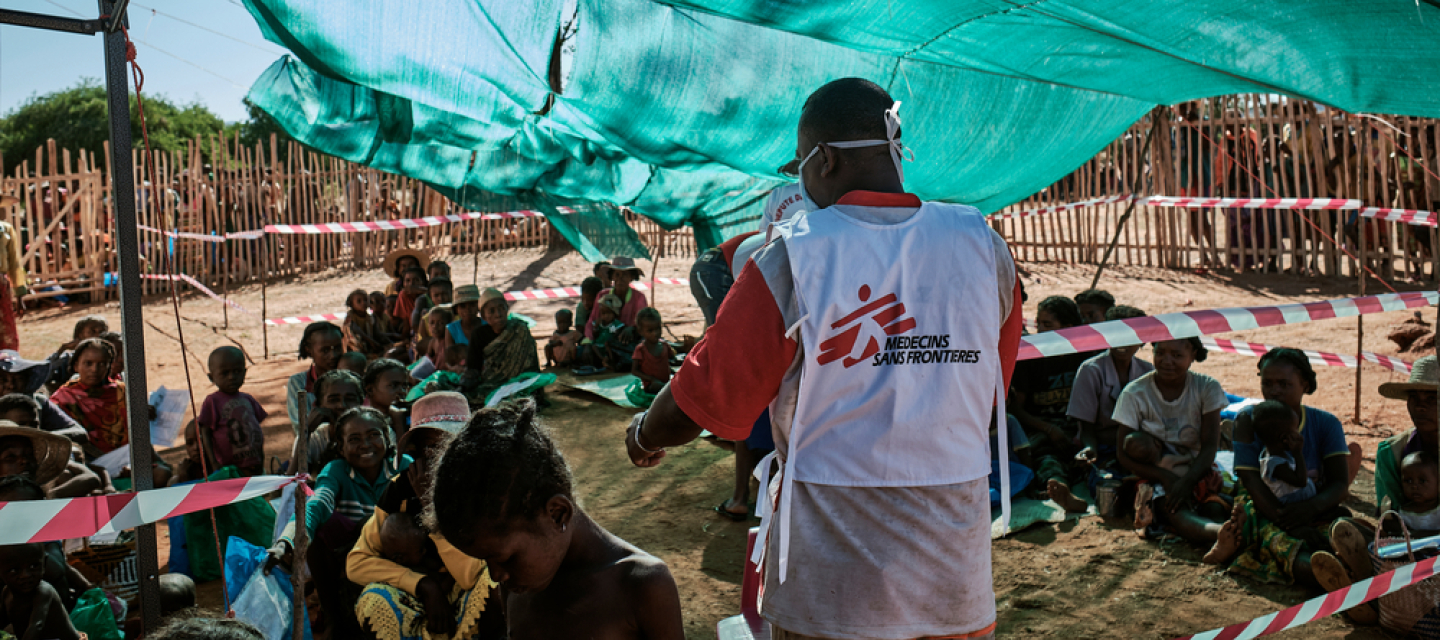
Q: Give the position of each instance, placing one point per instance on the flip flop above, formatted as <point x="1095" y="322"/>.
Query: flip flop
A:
<point x="1332" y="576"/>
<point x="734" y="517"/>
<point x="1350" y="547"/>
<point x="586" y="370"/>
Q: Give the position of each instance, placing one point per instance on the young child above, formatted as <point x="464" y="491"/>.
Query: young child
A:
<point x="1282" y="464"/>
<point x="191" y="469"/>
<point x="596" y="351"/>
<point x="652" y="357"/>
<point x="590" y="289"/>
<point x="406" y="544"/>
<point x="430" y="341"/>
<point x="353" y="361"/>
<point x="75" y="480"/>
<point x="1145" y="448"/>
<point x="407" y="298"/>
<point x="335" y="393"/>
<point x="31" y="606"/>
<point x="1094" y="304"/>
<point x="501" y="492"/>
<point x="65" y="579"/>
<point x="380" y="307"/>
<point x="93" y="399"/>
<point x="447" y="378"/>
<point x="438" y="292"/>
<point x="230" y="418"/>
<point x="385" y="383"/>
<point x="117" y="364"/>
<point x="86" y="328"/>
<point x="361" y="330"/>
<point x="1420" y="489"/>
<point x="561" y="348"/>
<point x="438" y="269"/>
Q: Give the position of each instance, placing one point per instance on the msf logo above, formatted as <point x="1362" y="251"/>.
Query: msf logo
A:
<point x="868" y="327"/>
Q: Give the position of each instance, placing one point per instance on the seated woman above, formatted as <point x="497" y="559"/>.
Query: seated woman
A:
<point x="1181" y="409"/>
<point x="402" y="602"/>
<point x="500" y="350"/>
<point x="345" y="495"/>
<point x="39" y="456"/>
<point x="1348" y="539"/>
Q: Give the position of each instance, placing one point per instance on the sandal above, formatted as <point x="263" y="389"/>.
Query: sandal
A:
<point x="734" y="517"/>
<point x="1350" y="547"/>
<point x="1332" y="576"/>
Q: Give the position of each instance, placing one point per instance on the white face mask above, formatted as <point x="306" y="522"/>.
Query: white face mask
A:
<point x="898" y="152"/>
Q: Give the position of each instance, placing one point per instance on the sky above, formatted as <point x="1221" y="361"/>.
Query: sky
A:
<point x="191" y="51"/>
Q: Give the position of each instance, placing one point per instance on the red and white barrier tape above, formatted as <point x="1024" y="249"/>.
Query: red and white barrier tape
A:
<point x="1253" y="203"/>
<point x="544" y="294"/>
<point x="1316" y="357"/>
<point x="396" y="225"/>
<point x="1325" y="605"/>
<point x="1063" y="207"/>
<point x="1408" y="216"/>
<point x="527" y="294"/>
<point x="338" y="317"/>
<point x="1190" y="324"/>
<point x="183" y="234"/>
<point x="203" y="289"/>
<point x="51" y="520"/>
<point x="1401" y="215"/>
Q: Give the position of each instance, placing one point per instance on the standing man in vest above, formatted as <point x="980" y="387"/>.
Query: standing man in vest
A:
<point x="881" y="332"/>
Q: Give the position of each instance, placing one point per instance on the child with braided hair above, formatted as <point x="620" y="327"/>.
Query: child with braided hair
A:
<point x="95" y="400"/>
<point x="502" y="492"/>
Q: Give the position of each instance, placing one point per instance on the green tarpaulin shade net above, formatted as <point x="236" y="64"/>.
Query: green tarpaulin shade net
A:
<point x="684" y="111"/>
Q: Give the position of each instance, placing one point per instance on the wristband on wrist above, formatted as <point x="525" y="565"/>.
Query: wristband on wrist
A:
<point x="640" y="427"/>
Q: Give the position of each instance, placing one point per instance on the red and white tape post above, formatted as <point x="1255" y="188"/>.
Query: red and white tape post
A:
<point x="1062" y="207"/>
<point x="306" y="319"/>
<point x="51" y="520"/>
<point x="1252" y="203"/>
<point x="1192" y="324"/>
<point x="1323" y="606"/>
<point x="1315" y="357"/>
<point x="396" y="225"/>
<point x="202" y="288"/>
<point x="1408" y="216"/>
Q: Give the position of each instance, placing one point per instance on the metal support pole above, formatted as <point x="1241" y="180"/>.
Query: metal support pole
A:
<point x="132" y="327"/>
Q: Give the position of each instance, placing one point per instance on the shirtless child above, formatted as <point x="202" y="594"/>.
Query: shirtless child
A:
<point x="405" y="543"/>
<point x="1145" y="448"/>
<point x="28" y="604"/>
<point x="502" y="492"/>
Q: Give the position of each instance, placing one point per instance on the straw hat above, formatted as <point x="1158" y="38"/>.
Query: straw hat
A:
<point x="1424" y="376"/>
<point x="622" y="263"/>
<point x="396" y="255"/>
<point x="52" y="452"/>
<point x="463" y="294"/>
<point x="490" y="294"/>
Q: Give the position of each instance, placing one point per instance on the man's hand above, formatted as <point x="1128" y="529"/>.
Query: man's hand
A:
<point x="638" y="455"/>
<point x="434" y="592"/>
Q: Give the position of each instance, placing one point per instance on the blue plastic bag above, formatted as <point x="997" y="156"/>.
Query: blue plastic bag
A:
<point x="242" y="561"/>
<point x="1020" y="477"/>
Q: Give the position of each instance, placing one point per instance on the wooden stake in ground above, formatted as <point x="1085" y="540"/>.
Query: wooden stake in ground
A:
<point x="1135" y="192"/>
<point x="299" y="464"/>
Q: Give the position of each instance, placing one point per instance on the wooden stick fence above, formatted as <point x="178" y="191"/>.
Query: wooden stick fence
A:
<point x="1232" y="146"/>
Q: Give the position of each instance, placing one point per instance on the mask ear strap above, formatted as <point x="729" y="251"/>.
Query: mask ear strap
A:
<point x="898" y="152"/>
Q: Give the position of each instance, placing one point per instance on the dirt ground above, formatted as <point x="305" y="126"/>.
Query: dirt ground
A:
<point x="1081" y="579"/>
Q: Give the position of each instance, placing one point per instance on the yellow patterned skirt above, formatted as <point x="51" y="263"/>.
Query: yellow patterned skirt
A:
<point x="394" y="614"/>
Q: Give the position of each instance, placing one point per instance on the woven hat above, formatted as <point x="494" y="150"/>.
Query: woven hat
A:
<point x="52" y="452"/>
<point x="463" y="294"/>
<point x="446" y="411"/>
<point x="612" y="302"/>
<point x="490" y="294"/>
<point x="396" y="255"/>
<point x="1424" y="376"/>
<point x="622" y="263"/>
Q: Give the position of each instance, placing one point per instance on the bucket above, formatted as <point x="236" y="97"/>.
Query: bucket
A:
<point x="1106" y="498"/>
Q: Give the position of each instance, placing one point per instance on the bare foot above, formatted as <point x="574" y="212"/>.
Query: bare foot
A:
<point x="1060" y="493"/>
<point x="1228" y="542"/>
<point x="1144" y="514"/>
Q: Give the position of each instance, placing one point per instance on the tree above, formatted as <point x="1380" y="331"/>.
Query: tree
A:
<point x="258" y="129"/>
<point x="78" y="118"/>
